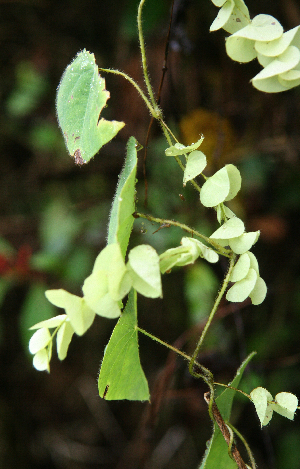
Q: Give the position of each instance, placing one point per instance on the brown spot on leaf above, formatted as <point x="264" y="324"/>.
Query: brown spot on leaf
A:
<point x="78" y="157"/>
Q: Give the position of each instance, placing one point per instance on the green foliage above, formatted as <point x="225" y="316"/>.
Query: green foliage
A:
<point x="81" y="96"/>
<point x="121" y="375"/>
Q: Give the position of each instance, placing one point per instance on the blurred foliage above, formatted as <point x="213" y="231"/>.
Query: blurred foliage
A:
<point x="53" y="224"/>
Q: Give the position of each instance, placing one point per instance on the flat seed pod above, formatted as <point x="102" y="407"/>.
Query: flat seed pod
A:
<point x="143" y="266"/>
<point x="39" y="340"/>
<point x="286" y="61"/>
<point x="278" y="46"/>
<point x="241" y="268"/>
<point x="244" y="242"/>
<point x="262" y="28"/>
<point x="230" y="229"/>
<point x="180" y="149"/>
<point x="63" y="339"/>
<point x="238" y="19"/>
<point x="50" y="323"/>
<point x="240" y="49"/>
<point x="286" y="404"/>
<point x="242" y="289"/>
<point x="260" y="398"/>
<point x="41" y="361"/>
<point x="215" y="189"/>
<point x="196" y="162"/>
<point x="218" y="3"/>
<point x="272" y="85"/>
<point x="259" y="292"/>
<point x="235" y="181"/>
<point x="253" y="262"/>
<point x="223" y="15"/>
<point x="81" y="96"/>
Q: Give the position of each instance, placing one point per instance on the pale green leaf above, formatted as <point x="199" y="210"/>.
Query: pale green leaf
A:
<point x="240" y="49"/>
<point x="41" y="361"/>
<point x="259" y="292"/>
<point x="241" y="268"/>
<point x="278" y="46"/>
<point x="215" y="189"/>
<point x="80" y="315"/>
<point x="144" y="269"/>
<point x="244" y="242"/>
<point x="39" y="340"/>
<point x="286" y="404"/>
<point x="81" y="96"/>
<point x="235" y="181"/>
<point x="289" y="79"/>
<point x="180" y="149"/>
<point x="260" y="398"/>
<point x="223" y="15"/>
<point x="173" y="257"/>
<point x="232" y="228"/>
<point x="262" y="28"/>
<point x="271" y="85"/>
<point x="50" y="323"/>
<point x="121" y="219"/>
<point x="242" y="289"/>
<point x="216" y="455"/>
<point x="121" y="375"/>
<point x="264" y="60"/>
<point x="196" y="162"/>
<point x="63" y="339"/>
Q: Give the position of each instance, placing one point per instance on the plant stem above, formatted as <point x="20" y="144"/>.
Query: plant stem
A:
<point x="128" y="78"/>
<point x="207" y="375"/>
<point x="143" y="54"/>
<point x="234" y="389"/>
<point x="221" y="250"/>
<point x="212" y="313"/>
<point x="245" y="444"/>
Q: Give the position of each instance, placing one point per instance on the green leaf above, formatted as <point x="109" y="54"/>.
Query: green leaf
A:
<point x="238" y="19"/>
<point x="80" y="315"/>
<point x="285" y="62"/>
<point x="240" y="49"/>
<point x="215" y="189"/>
<point x="121" y="375"/>
<point x="41" y="360"/>
<point x="242" y="289"/>
<point x="81" y="96"/>
<point x="262" y="28"/>
<point x="144" y="269"/>
<point x="232" y="228"/>
<point x="121" y="219"/>
<point x="196" y="162"/>
<point x="97" y="296"/>
<point x="216" y="455"/>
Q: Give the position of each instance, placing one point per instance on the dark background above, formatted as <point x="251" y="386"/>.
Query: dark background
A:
<point x="53" y="218"/>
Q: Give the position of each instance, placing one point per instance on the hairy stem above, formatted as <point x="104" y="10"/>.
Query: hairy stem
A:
<point x="220" y="249"/>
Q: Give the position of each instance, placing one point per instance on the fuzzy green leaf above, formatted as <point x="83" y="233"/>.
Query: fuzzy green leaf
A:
<point x="121" y="375"/>
<point x="81" y="96"/>
<point x="121" y="219"/>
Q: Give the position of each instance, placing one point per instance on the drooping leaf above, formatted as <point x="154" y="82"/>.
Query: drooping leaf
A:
<point x="121" y="219"/>
<point x="261" y="398"/>
<point x="240" y="49"/>
<point x="216" y="455"/>
<point x="244" y="242"/>
<point x="286" y="404"/>
<point x="238" y="19"/>
<point x="121" y="375"/>
<point x="223" y="15"/>
<point x="81" y="96"/>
